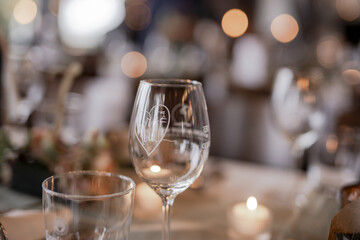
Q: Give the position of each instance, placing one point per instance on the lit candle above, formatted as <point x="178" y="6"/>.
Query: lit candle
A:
<point x="155" y="171"/>
<point x="249" y="219"/>
<point x="147" y="202"/>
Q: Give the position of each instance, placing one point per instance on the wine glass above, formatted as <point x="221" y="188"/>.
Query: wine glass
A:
<point x="297" y="108"/>
<point x="169" y="138"/>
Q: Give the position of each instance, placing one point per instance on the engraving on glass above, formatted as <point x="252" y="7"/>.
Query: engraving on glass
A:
<point x="151" y="127"/>
<point x="206" y="128"/>
<point x="205" y="145"/>
<point x="182" y="115"/>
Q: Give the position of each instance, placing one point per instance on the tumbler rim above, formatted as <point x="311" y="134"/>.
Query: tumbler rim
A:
<point x="89" y="173"/>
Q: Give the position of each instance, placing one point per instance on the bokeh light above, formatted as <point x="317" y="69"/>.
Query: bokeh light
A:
<point x="303" y="83"/>
<point x="284" y="28"/>
<point x="332" y="143"/>
<point x="328" y="51"/>
<point x="351" y="76"/>
<point x="234" y="23"/>
<point x="25" y="11"/>
<point x="249" y="67"/>
<point x="310" y="98"/>
<point x="349" y="10"/>
<point x="133" y="64"/>
<point x="83" y="23"/>
<point x="138" y="15"/>
<point x="251" y="203"/>
<point x="155" y="168"/>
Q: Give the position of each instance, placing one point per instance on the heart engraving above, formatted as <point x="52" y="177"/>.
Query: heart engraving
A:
<point x="151" y="127"/>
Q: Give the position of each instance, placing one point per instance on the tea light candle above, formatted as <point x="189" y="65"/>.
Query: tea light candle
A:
<point x="155" y="171"/>
<point x="249" y="219"/>
<point x="147" y="202"/>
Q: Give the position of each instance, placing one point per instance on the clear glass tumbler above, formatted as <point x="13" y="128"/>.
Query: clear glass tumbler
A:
<point x="88" y="205"/>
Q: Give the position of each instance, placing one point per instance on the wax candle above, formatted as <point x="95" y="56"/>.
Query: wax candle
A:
<point x="249" y="220"/>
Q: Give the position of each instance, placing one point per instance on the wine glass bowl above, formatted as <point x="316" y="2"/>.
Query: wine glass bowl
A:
<point x="169" y="136"/>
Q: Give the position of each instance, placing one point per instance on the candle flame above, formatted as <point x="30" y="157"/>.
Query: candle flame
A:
<point x="155" y="168"/>
<point x="251" y="203"/>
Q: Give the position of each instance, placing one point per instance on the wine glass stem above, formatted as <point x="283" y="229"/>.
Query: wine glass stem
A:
<point x="167" y="203"/>
<point x="299" y="157"/>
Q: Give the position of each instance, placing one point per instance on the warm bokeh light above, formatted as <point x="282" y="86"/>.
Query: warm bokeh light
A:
<point x="349" y="10"/>
<point x="331" y="143"/>
<point x="133" y="64"/>
<point x="284" y="28"/>
<point x="251" y="203"/>
<point x="351" y="76"/>
<point x="234" y="23"/>
<point x="155" y="168"/>
<point x="303" y="83"/>
<point x="138" y="15"/>
<point x="328" y="50"/>
<point x="25" y="11"/>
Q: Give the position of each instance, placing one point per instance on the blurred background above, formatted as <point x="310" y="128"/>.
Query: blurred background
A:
<point x="281" y="79"/>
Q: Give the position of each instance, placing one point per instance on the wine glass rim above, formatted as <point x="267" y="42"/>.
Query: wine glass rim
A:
<point x="88" y="173"/>
<point x="170" y="82"/>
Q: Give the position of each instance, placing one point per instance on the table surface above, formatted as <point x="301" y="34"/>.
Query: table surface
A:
<point x="299" y="210"/>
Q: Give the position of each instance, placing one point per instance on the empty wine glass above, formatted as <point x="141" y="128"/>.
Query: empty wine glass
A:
<point x="169" y="138"/>
<point x="296" y="104"/>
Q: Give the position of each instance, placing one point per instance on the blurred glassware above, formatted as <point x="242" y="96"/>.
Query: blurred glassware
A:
<point x="348" y="153"/>
<point x="23" y="90"/>
<point x="297" y="108"/>
<point x="338" y="163"/>
<point x="88" y="205"/>
<point x="63" y="133"/>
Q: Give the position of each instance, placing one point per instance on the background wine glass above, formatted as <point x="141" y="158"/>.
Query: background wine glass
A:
<point x="296" y="104"/>
<point x="169" y="137"/>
